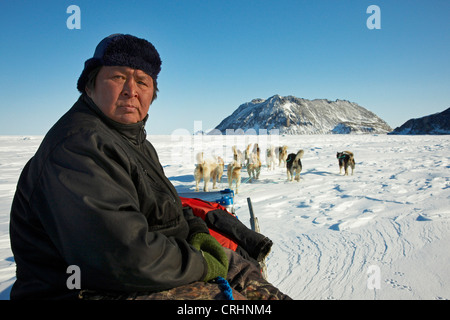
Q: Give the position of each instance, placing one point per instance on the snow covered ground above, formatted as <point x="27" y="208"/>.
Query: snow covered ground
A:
<point x="383" y="233"/>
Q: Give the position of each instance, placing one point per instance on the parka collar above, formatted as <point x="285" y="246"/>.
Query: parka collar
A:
<point x="134" y="132"/>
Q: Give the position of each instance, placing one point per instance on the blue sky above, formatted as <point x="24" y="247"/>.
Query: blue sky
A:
<point x="218" y="54"/>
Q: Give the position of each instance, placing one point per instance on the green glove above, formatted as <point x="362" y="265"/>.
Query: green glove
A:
<point x="213" y="254"/>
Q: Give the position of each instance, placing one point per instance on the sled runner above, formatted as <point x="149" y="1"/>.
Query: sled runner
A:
<point x="217" y="210"/>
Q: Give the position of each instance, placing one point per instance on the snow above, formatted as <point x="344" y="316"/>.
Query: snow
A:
<point x="382" y="233"/>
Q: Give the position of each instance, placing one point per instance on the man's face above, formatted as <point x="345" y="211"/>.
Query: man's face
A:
<point x="123" y="94"/>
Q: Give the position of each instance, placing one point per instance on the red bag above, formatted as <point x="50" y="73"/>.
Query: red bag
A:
<point x="200" y="209"/>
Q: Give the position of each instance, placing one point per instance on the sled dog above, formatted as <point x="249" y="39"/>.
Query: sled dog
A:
<point x="294" y="165"/>
<point x="206" y="169"/>
<point x="254" y="163"/>
<point x="234" y="169"/>
<point x="238" y="156"/>
<point x="270" y="158"/>
<point x="234" y="174"/>
<point x="282" y="155"/>
<point x="345" y="160"/>
<point x="247" y="155"/>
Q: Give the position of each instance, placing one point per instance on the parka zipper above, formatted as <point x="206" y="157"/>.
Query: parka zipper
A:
<point x="141" y="137"/>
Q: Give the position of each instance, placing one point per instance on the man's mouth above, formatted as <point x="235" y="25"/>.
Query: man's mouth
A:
<point x="128" y="108"/>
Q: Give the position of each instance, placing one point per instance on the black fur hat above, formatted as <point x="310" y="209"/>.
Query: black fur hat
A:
<point x="122" y="50"/>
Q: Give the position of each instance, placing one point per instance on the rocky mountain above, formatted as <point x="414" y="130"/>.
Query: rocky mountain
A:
<point x="438" y="123"/>
<point x="291" y="115"/>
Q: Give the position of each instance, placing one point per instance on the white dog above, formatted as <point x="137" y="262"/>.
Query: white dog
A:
<point x="238" y="156"/>
<point x="271" y="158"/>
<point x="207" y="169"/>
<point x="247" y="154"/>
<point x="254" y="163"/>
<point x="234" y="169"/>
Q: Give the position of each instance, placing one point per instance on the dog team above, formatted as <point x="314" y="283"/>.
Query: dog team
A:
<point x="213" y="167"/>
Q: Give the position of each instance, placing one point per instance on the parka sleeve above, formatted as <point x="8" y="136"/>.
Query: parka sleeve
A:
<point x="88" y="204"/>
<point x="196" y="224"/>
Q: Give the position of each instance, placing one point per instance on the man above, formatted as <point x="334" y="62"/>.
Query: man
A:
<point x="95" y="195"/>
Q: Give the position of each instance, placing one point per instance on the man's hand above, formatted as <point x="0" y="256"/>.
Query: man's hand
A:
<point x="213" y="253"/>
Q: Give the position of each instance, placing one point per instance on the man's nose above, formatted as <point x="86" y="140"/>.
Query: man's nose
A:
<point x="130" y="88"/>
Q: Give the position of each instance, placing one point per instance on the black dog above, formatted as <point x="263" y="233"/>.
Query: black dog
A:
<point x="346" y="159"/>
<point x="294" y="165"/>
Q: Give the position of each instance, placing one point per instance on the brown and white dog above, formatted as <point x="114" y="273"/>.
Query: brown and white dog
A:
<point x="346" y="159"/>
<point x="254" y="163"/>
<point x="294" y="165"/>
<point x="206" y="169"/>
<point x="282" y="155"/>
<point x="234" y="170"/>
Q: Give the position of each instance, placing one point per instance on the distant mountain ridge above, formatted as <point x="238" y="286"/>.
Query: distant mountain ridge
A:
<point x="438" y="123"/>
<point x="291" y="115"/>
